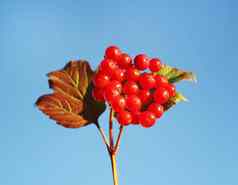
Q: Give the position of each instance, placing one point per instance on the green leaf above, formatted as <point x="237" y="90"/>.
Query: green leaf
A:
<point x="71" y="104"/>
<point x="175" y="75"/>
<point x="174" y="100"/>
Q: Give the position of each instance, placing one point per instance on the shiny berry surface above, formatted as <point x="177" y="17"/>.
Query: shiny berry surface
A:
<point x="171" y="89"/>
<point x="101" y="80"/>
<point x="110" y="93"/>
<point x="124" y="117"/>
<point x="112" y="52"/>
<point x="118" y="103"/>
<point x="133" y="103"/>
<point x="108" y="66"/>
<point x="141" y="62"/>
<point x="134" y="90"/>
<point x="125" y="61"/>
<point x="155" y="64"/>
<point x="118" y="74"/>
<point x="147" y="119"/>
<point x="157" y="109"/>
<point x="160" y="80"/>
<point x="132" y="74"/>
<point x="145" y="95"/>
<point x="161" y="95"/>
<point x="114" y="84"/>
<point x="130" y="87"/>
<point x="147" y="81"/>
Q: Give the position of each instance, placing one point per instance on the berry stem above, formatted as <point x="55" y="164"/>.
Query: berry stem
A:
<point x="111" y="149"/>
<point x="114" y="168"/>
<point x="118" y="140"/>
<point x="104" y="137"/>
<point x="111" y="129"/>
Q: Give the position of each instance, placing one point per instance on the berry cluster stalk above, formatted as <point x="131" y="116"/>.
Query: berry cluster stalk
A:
<point x="111" y="147"/>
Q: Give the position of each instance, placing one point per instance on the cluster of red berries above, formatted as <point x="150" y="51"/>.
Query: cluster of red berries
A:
<point x="133" y="90"/>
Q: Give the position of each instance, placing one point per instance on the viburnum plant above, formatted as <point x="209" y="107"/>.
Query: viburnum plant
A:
<point x="137" y="92"/>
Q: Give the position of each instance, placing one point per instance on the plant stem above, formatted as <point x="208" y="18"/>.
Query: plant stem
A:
<point x="111" y="129"/>
<point x="104" y="137"/>
<point x="118" y="140"/>
<point x="110" y="145"/>
<point x="114" y="168"/>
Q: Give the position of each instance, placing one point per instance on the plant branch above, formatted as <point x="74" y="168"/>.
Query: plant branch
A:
<point x="104" y="137"/>
<point x="114" y="168"/>
<point x="118" y="139"/>
<point x="111" y="129"/>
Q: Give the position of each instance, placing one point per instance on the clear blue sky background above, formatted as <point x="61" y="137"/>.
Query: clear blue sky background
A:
<point x="196" y="143"/>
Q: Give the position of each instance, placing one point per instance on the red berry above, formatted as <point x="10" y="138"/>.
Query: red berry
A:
<point x="118" y="103"/>
<point x="133" y="103"/>
<point x="147" y="119"/>
<point x="101" y="80"/>
<point x="157" y="109"/>
<point x="160" y="80"/>
<point x="110" y="93"/>
<point x="161" y="95"/>
<point x="145" y="96"/>
<point x="125" y="61"/>
<point x="147" y="81"/>
<point x="108" y="66"/>
<point x="124" y="117"/>
<point x="171" y="89"/>
<point x="130" y="87"/>
<point x="142" y="62"/>
<point x="118" y="74"/>
<point x="114" y="84"/>
<point x="135" y="118"/>
<point x="112" y="52"/>
<point x="132" y="74"/>
<point x="155" y="64"/>
<point x="98" y="94"/>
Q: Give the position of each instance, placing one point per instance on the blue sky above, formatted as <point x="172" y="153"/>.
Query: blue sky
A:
<point x="194" y="143"/>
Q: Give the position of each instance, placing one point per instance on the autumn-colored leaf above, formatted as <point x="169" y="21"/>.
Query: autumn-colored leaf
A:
<point x="175" y="75"/>
<point x="174" y="100"/>
<point x="71" y="104"/>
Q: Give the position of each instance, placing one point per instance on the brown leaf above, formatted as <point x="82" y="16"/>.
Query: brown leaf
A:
<point x="71" y="104"/>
